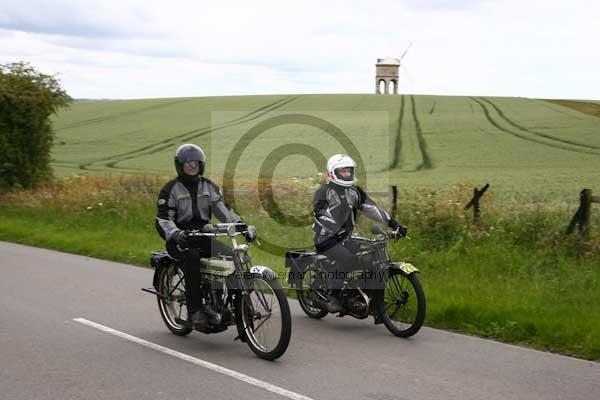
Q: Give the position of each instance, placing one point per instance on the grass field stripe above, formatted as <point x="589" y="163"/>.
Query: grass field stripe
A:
<point x="213" y="367"/>
<point x="426" y="164"/>
<point x="524" y="137"/>
<point x="557" y="108"/>
<point x="396" y="162"/>
<point x="544" y="135"/>
<point x="109" y="117"/>
<point x="114" y="164"/>
<point x="194" y="134"/>
<point x="169" y="141"/>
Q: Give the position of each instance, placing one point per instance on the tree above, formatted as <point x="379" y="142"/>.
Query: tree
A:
<point x="28" y="99"/>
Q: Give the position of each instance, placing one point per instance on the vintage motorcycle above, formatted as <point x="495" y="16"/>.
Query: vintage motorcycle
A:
<point x="389" y="291"/>
<point x="247" y="296"/>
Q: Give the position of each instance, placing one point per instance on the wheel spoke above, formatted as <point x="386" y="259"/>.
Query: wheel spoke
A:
<point x="257" y="328"/>
<point x="393" y="294"/>
<point x="262" y="301"/>
<point x="396" y="310"/>
<point x="176" y="285"/>
<point x="272" y="302"/>
<point x="390" y="305"/>
<point x="396" y="284"/>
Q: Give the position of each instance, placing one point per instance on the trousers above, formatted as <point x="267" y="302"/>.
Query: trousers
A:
<point x="190" y="262"/>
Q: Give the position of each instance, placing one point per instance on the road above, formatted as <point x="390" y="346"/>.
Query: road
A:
<point x="47" y="351"/>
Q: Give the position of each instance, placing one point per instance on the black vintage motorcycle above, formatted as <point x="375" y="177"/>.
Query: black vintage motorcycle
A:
<point x="247" y="296"/>
<point x="389" y="291"/>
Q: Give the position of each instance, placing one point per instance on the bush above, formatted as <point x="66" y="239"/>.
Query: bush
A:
<point x="27" y="100"/>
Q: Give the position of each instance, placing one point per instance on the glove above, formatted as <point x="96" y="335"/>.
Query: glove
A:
<point x="250" y="233"/>
<point x="180" y="237"/>
<point x="399" y="230"/>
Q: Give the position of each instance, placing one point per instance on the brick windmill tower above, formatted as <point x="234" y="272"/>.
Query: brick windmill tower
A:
<point x="386" y="74"/>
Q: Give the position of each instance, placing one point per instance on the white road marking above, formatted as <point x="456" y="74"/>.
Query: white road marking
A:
<point x="197" y="361"/>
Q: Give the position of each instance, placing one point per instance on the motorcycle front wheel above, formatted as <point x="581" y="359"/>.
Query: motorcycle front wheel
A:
<point x="402" y="305"/>
<point x="263" y="316"/>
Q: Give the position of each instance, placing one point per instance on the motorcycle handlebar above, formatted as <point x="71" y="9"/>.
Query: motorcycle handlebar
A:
<point x="231" y="229"/>
<point x="386" y="234"/>
<point x="378" y="230"/>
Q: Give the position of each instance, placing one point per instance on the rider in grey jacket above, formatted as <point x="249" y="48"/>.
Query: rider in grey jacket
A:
<point x="336" y="205"/>
<point x="188" y="202"/>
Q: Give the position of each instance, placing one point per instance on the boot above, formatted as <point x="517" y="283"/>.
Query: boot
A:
<point x="227" y="316"/>
<point x="198" y="319"/>
<point x="213" y="316"/>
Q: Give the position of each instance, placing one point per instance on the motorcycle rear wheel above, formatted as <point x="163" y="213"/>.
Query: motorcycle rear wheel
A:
<point x="308" y="290"/>
<point x="171" y="302"/>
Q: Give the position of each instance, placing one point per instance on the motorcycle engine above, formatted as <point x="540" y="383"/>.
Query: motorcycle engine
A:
<point x="357" y="306"/>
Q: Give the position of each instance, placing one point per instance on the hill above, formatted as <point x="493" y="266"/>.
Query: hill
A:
<point x="526" y="148"/>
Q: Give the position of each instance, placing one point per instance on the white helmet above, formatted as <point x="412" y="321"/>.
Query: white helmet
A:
<point x="336" y="162"/>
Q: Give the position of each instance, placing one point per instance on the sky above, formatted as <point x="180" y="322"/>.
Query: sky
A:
<point x="122" y="49"/>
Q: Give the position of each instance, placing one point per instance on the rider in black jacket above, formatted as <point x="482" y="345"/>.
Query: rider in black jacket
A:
<point x="335" y="211"/>
<point x="188" y="202"/>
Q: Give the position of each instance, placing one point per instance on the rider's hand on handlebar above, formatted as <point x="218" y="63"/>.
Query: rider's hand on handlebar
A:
<point x="398" y="230"/>
<point x="208" y="228"/>
<point x="250" y="233"/>
<point x="180" y="237"/>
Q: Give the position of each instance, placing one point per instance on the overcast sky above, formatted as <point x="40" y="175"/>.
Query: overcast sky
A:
<point x="158" y="48"/>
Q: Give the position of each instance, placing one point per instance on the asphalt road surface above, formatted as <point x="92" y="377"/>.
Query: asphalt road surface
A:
<point x="73" y="327"/>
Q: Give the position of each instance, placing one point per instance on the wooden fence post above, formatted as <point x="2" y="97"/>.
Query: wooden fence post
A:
<point x="394" y="195"/>
<point x="581" y="218"/>
<point x="475" y="201"/>
<point x="586" y="202"/>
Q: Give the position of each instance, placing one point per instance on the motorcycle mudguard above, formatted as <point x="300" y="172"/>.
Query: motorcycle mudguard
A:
<point x="296" y="260"/>
<point x="266" y="272"/>
<point x="158" y="261"/>
<point x="407" y="268"/>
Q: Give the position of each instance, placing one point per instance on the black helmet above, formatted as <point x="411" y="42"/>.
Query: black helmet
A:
<point x="189" y="152"/>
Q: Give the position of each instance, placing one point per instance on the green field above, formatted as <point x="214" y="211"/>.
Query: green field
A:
<point x="527" y="149"/>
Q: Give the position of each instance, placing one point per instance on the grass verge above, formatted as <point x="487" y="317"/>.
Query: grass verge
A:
<point x="513" y="277"/>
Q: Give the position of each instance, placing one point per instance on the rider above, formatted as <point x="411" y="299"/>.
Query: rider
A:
<point x="188" y="202"/>
<point x="335" y="211"/>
